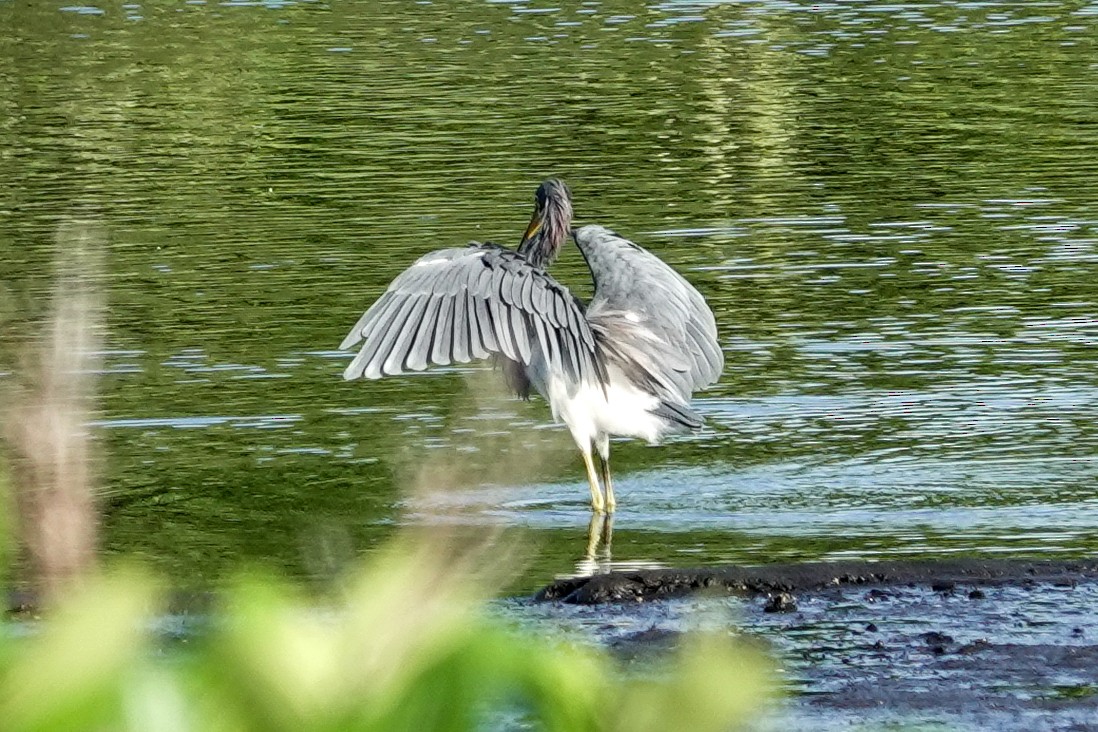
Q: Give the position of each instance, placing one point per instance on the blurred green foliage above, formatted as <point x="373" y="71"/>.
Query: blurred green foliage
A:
<point x="408" y="646"/>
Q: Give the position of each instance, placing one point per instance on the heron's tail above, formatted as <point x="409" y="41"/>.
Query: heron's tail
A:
<point x="678" y="414"/>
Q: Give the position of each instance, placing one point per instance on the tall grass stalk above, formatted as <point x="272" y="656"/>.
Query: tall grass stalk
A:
<point x="46" y="415"/>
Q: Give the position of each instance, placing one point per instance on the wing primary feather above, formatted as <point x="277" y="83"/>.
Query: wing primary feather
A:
<point x="600" y="368"/>
<point x="461" y="329"/>
<point x="476" y="330"/>
<point x="388" y="332"/>
<point x="441" y="352"/>
<point x="500" y="321"/>
<point x="517" y="280"/>
<point x="419" y="353"/>
<point x="500" y="288"/>
<point x="354" y="368"/>
<point x="403" y="344"/>
<point x="572" y="346"/>
<point x="374" y="338"/>
<point x="497" y="311"/>
<point x="487" y="326"/>
<point x="481" y="282"/>
<point x="357" y="333"/>
<point x="503" y="334"/>
<point x="710" y="352"/>
<point x="527" y="295"/>
<point x="538" y="326"/>
<point x="556" y="355"/>
<point x="580" y="333"/>
<point x="560" y="338"/>
<point x="585" y="365"/>
<point x="522" y="338"/>
<point x="560" y="308"/>
<point x="541" y="299"/>
<point x="579" y="323"/>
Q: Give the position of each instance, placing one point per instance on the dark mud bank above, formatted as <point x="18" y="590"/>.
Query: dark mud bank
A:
<point x="962" y="644"/>
<point x="774" y="580"/>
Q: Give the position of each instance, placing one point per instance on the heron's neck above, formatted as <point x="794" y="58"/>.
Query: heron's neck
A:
<point x="540" y="250"/>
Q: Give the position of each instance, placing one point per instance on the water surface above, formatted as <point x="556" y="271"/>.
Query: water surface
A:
<point x="890" y="207"/>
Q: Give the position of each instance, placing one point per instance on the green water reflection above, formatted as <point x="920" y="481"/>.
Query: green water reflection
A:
<point x="890" y="207"/>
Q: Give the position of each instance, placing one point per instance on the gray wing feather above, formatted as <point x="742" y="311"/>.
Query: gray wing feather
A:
<point x="420" y="352"/>
<point x="648" y="318"/>
<point x="500" y="327"/>
<point x="709" y="358"/>
<point x="543" y="338"/>
<point x="454" y="305"/>
<point x="353" y="337"/>
<point x="540" y="298"/>
<point x="461" y="329"/>
<point x="484" y="317"/>
<point x="477" y="331"/>
<point x="388" y="332"/>
<point x="383" y="302"/>
<point x="405" y="334"/>
<point x="560" y="314"/>
<point x="522" y="338"/>
<point x="389" y="309"/>
<point x="528" y="294"/>
<point x="442" y="350"/>
<point x="516" y="289"/>
<point x="495" y="313"/>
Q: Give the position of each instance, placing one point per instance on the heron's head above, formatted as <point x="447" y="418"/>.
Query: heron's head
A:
<point x="550" y="223"/>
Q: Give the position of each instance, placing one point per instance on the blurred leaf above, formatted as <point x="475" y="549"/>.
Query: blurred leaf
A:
<point x="275" y="659"/>
<point x="71" y="676"/>
<point x="713" y="684"/>
<point x="568" y="687"/>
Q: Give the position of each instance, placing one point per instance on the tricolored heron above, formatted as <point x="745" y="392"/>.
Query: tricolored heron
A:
<point x="625" y="364"/>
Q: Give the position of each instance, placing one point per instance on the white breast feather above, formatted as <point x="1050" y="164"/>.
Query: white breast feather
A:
<point x="588" y="411"/>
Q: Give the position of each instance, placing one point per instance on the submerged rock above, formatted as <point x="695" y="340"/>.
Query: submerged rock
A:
<point x="781" y="602"/>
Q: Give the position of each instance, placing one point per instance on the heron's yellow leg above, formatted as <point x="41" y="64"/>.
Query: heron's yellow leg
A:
<point x="608" y="484"/>
<point x="597" y="504"/>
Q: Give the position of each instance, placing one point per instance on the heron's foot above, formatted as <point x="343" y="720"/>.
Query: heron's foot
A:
<point x="598" y="505"/>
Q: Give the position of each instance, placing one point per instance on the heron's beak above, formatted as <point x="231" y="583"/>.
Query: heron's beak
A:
<point x="535" y="225"/>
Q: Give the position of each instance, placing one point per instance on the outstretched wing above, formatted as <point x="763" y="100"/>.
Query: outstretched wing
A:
<point x="647" y="318"/>
<point x="455" y="305"/>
